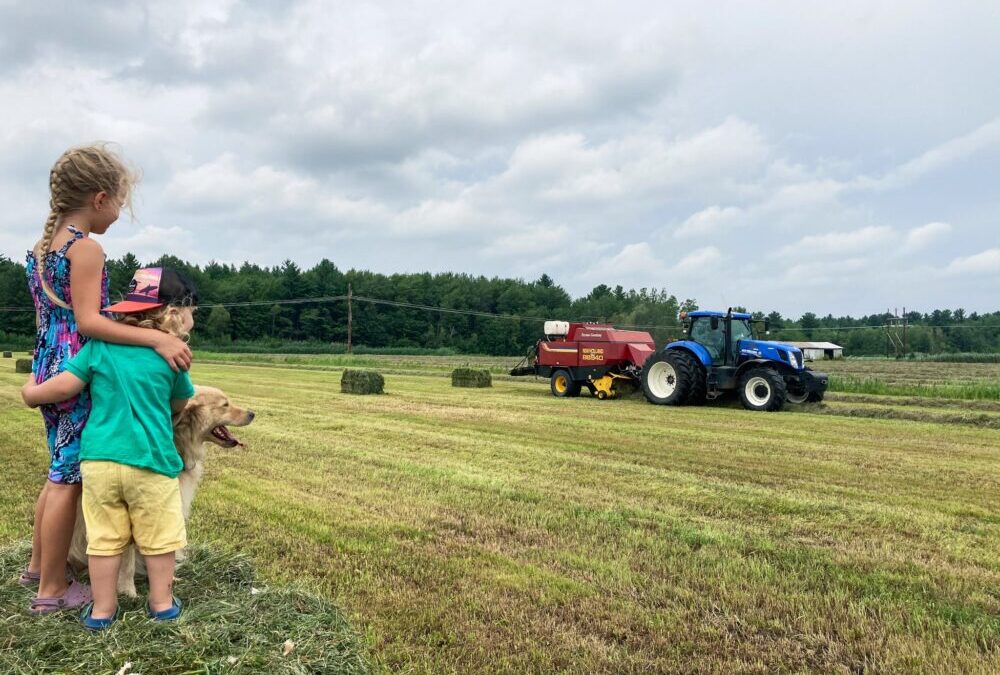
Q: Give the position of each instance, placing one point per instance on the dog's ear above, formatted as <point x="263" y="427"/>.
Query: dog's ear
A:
<point x="183" y="416"/>
<point x="187" y="431"/>
<point x="189" y="420"/>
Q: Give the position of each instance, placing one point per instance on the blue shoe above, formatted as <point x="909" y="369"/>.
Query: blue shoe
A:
<point x="169" y="614"/>
<point x="90" y="623"/>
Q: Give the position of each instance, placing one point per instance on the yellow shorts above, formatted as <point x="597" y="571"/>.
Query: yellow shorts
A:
<point x="122" y="503"/>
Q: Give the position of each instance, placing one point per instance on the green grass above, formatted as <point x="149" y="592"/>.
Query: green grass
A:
<point x="891" y="377"/>
<point x="873" y="385"/>
<point x="228" y="626"/>
<point x="504" y="530"/>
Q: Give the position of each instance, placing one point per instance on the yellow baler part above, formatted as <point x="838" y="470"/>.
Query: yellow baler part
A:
<point x="605" y="384"/>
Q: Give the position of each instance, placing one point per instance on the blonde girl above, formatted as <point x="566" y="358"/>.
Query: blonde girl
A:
<point x="88" y="187"/>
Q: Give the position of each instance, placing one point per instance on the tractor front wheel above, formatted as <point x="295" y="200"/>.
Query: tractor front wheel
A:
<point x="796" y="393"/>
<point x="666" y="378"/>
<point x="762" y="389"/>
<point x="563" y="385"/>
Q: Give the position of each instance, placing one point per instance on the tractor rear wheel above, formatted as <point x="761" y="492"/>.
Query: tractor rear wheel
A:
<point x="563" y="385"/>
<point x="699" y="384"/>
<point x="666" y="378"/>
<point x="762" y="389"/>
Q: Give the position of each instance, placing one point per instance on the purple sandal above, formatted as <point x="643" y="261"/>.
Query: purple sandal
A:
<point x="29" y="578"/>
<point x="76" y="596"/>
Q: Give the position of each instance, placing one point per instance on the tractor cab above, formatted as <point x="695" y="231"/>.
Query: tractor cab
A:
<point x="724" y="336"/>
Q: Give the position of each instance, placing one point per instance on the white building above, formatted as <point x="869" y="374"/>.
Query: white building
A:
<point x="817" y="351"/>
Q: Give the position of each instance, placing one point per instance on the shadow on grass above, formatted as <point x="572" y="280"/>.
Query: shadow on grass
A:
<point x="227" y="626"/>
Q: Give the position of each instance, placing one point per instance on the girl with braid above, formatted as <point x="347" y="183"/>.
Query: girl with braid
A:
<point x="69" y="283"/>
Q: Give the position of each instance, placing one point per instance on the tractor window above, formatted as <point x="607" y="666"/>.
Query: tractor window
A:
<point x="712" y="340"/>
<point x="741" y="331"/>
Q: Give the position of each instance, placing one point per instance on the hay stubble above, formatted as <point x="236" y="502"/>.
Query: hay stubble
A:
<point x="509" y="530"/>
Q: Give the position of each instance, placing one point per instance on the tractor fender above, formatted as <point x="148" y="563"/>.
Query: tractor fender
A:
<point x="699" y="351"/>
<point x="756" y="363"/>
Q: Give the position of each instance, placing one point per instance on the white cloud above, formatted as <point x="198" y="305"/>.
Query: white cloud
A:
<point x="709" y="222"/>
<point x="985" y="262"/>
<point x="221" y="184"/>
<point x="151" y="241"/>
<point x="635" y="257"/>
<point x="817" y="273"/>
<point x="865" y="240"/>
<point x="939" y="157"/>
<point x="699" y="262"/>
<point x="920" y="237"/>
<point x="557" y="137"/>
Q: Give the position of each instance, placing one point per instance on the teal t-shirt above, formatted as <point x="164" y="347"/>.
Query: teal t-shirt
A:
<point x="130" y="422"/>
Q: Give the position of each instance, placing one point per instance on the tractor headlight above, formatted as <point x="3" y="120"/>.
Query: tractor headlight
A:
<point x="795" y="359"/>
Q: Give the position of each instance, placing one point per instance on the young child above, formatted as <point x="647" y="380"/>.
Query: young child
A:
<point x="88" y="188"/>
<point x="128" y="459"/>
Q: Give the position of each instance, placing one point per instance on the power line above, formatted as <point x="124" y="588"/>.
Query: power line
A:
<point x="510" y="317"/>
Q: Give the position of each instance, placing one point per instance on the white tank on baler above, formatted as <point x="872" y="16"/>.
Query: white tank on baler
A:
<point x="556" y="328"/>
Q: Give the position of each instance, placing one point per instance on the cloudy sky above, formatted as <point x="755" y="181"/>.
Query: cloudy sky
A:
<point x="835" y="157"/>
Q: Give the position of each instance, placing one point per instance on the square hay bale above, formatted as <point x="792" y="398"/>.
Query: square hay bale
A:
<point x="22" y="366"/>
<point x="7" y="355"/>
<point x="362" y="382"/>
<point x="471" y="377"/>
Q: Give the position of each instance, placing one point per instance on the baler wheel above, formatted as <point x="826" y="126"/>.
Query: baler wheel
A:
<point x="562" y="385"/>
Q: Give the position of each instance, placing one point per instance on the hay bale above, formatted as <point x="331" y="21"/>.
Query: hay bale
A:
<point x="471" y="377"/>
<point x="22" y="366"/>
<point x="7" y="355"/>
<point x="362" y="382"/>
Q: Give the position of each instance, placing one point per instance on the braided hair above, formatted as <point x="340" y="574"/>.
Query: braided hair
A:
<point x="75" y="177"/>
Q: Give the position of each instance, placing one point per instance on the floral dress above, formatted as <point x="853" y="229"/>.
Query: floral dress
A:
<point x="56" y="342"/>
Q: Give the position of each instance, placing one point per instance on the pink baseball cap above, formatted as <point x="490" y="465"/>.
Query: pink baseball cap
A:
<point x="153" y="287"/>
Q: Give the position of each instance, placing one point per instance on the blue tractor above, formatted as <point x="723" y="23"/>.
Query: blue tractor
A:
<point x="721" y="355"/>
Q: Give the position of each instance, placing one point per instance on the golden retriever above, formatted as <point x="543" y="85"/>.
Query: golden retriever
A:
<point x="205" y="419"/>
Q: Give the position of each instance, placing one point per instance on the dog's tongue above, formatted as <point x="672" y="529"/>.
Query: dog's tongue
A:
<point x="222" y="433"/>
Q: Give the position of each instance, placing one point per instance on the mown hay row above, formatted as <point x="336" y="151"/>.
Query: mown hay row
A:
<point x="471" y="377"/>
<point x="362" y="382"/>
<point x="22" y="366"/>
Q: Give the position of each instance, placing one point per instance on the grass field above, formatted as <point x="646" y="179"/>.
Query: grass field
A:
<point x="506" y="530"/>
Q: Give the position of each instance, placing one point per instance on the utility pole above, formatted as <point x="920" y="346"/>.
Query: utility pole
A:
<point x="895" y="333"/>
<point x="350" y="317"/>
<point x="906" y="342"/>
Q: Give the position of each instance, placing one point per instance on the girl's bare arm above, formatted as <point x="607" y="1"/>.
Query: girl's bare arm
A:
<point x="87" y="259"/>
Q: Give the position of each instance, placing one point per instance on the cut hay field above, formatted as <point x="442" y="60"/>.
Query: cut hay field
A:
<point x="504" y="530"/>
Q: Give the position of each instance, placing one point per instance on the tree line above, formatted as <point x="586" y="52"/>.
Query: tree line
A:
<point x="464" y="300"/>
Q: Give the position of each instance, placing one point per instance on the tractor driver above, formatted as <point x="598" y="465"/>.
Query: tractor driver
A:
<point x="713" y="340"/>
